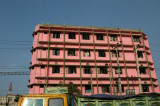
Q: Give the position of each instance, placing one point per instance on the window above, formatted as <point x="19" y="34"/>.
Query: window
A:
<point x="32" y="102"/>
<point x="71" y="52"/>
<point x="87" y="70"/>
<point x="56" y="34"/>
<point x="122" y="86"/>
<point x="72" y="70"/>
<point x="103" y="70"/>
<point x="56" y="102"/>
<point x="72" y="36"/>
<point x="87" y="89"/>
<point x="86" y="53"/>
<point x="105" y="88"/>
<point x="44" y="49"/>
<point x="101" y="53"/>
<point x="145" y="88"/>
<point x="32" y="67"/>
<point x="56" y="69"/>
<point x="56" y="52"/>
<point x="85" y="36"/>
<point x="142" y="70"/>
<point x="117" y="70"/>
<point x="140" y="54"/>
<point x="45" y="32"/>
<point x="113" y="37"/>
<point x="41" y="86"/>
<point x="114" y="54"/>
<point x="136" y="39"/>
<point x="99" y="36"/>
<point x="42" y="66"/>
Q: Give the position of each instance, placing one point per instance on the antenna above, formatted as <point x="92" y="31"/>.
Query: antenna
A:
<point x="10" y="88"/>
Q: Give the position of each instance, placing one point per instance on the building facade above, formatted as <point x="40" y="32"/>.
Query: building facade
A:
<point x="96" y="59"/>
<point x="9" y="100"/>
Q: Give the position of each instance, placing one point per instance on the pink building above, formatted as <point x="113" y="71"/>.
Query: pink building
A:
<point x="98" y="59"/>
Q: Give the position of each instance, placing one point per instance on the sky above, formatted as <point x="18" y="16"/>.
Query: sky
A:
<point x="18" y="19"/>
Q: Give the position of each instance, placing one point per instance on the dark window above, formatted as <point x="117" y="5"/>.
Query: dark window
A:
<point x="72" y="36"/>
<point x="56" y="52"/>
<point x="103" y="70"/>
<point x="145" y="88"/>
<point x="42" y="66"/>
<point x="41" y="86"/>
<point x="117" y="70"/>
<point x="56" y="69"/>
<point x="56" y="34"/>
<point x="99" y="36"/>
<point x="113" y="37"/>
<point x="71" y="52"/>
<point x="122" y="86"/>
<point x="136" y="39"/>
<point x="56" y="102"/>
<point x="86" y="53"/>
<point x="45" y="32"/>
<point x="101" y="53"/>
<point x="142" y="70"/>
<point x="87" y="70"/>
<point x="87" y="89"/>
<point x="32" y="67"/>
<point x="31" y="86"/>
<point x="85" y="36"/>
<point x="44" y="49"/>
<point x="114" y="54"/>
<point x="105" y="88"/>
<point x="55" y="85"/>
<point x="140" y="54"/>
<point x="71" y="70"/>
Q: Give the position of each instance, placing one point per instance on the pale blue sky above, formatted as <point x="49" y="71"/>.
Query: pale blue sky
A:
<point x="18" y="19"/>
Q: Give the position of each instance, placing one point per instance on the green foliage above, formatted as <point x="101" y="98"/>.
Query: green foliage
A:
<point x="73" y="89"/>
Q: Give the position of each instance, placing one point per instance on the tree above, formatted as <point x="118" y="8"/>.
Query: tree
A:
<point x="73" y="90"/>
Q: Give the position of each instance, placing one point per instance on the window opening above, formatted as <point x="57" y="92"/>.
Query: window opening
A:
<point x="71" y="52"/>
<point x="86" y="53"/>
<point x="72" y="36"/>
<point x="56" y="52"/>
<point x="102" y="53"/>
<point x="85" y="36"/>
<point x="56" y="34"/>
<point x="113" y="37"/>
<point x="100" y="36"/>
<point x="72" y="70"/>
<point x="55" y="69"/>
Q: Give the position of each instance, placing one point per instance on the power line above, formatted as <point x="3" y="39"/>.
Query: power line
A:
<point x="15" y="73"/>
<point x="15" y="48"/>
<point x="13" y="66"/>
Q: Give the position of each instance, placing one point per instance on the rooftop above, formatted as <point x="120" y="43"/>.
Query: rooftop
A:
<point x="90" y="27"/>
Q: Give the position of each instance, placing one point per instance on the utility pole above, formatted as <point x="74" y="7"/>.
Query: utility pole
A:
<point x="139" y="79"/>
<point x="91" y="83"/>
<point x="119" y="79"/>
<point x="110" y="79"/>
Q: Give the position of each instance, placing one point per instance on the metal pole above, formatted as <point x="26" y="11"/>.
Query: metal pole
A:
<point x="139" y="79"/>
<point x="119" y="79"/>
